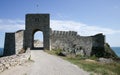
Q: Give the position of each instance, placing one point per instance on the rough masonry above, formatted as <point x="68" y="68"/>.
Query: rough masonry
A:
<point x="65" y="40"/>
<point x="70" y="41"/>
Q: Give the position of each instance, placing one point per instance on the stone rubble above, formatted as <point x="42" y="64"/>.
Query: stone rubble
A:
<point x="105" y="60"/>
<point x="13" y="60"/>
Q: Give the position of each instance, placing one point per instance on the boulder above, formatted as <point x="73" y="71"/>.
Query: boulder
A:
<point x="105" y="60"/>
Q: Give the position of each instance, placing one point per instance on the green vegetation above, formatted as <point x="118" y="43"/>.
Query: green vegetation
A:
<point x="96" y="67"/>
<point x="109" y="52"/>
<point x="90" y="64"/>
<point x="54" y="52"/>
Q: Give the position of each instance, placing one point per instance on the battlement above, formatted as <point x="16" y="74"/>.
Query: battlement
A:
<point x="63" y="33"/>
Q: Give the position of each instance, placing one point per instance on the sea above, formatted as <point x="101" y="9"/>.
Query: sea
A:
<point x="1" y="51"/>
<point x="116" y="50"/>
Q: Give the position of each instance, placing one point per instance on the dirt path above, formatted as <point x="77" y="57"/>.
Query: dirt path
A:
<point x="45" y="64"/>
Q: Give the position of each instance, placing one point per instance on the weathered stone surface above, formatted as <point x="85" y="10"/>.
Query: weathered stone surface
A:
<point x="34" y="23"/>
<point x="9" y="46"/>
<point x="13" y="43"/>
<point x="19" y="41"/>
<point x="70" y="41"/>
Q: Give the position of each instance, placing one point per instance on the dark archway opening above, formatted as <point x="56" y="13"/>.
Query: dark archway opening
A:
<point x="38" y="40"/>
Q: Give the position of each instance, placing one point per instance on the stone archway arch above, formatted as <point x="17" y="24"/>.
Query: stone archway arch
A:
<point x="33" y="39"/>
<point x="35" y="22"/>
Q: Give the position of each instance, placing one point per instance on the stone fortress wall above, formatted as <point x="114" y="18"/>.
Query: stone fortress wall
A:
<point x="9" y="45"/>
<point x="64" y="40"/>
<point x="68" y="41"/>
<point x="13" y="42"/>
<point x="19" y="41"/>
<point x="71" y="41"/>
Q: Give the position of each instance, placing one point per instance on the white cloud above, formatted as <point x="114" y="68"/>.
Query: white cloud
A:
<point x="7" y="25"/>
<point x="81" y="28"/>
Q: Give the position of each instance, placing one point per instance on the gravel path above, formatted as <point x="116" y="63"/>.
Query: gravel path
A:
<point x="45" y="64"/>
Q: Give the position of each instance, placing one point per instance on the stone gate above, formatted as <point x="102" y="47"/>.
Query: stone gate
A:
<point x="34" y="23"/>
<point x="23" y="39"/>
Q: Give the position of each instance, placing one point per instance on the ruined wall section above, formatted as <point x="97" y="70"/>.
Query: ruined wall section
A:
<point x="98" y="40"/>
<point x="13" y="43"/>
<point x="71" y="41"/>
<point x="9" y="45"/>
<point x="19" y="35"/>
<point x="60" y="39"/>
<point x="85" y="43"/>
<point x="98" y="45"/>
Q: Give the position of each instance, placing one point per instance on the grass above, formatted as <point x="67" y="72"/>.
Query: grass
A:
<point x="54" y="52"/>
<point x="96" y="68"/>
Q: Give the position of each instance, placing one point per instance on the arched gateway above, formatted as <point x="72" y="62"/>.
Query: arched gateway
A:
<point x="34" y="23"/>
<point x="16" y="41"/>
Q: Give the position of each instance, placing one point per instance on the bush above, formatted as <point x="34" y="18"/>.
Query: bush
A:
<point x="93" y="57"/>
<point x="58" y="51"/>
<point x="54" y="52"/>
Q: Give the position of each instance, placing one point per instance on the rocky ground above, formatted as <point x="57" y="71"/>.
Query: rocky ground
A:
<point x="45" y="64"/>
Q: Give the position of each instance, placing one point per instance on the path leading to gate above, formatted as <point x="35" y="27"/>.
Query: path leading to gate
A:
<point x="45" y="64"/>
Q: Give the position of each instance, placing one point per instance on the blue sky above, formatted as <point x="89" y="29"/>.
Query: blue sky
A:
<point x="87" y="17"/>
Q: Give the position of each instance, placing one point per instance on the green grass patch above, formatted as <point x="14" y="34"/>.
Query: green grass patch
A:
<point x="96" y="68"/>
<point x="53" y="52"/>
